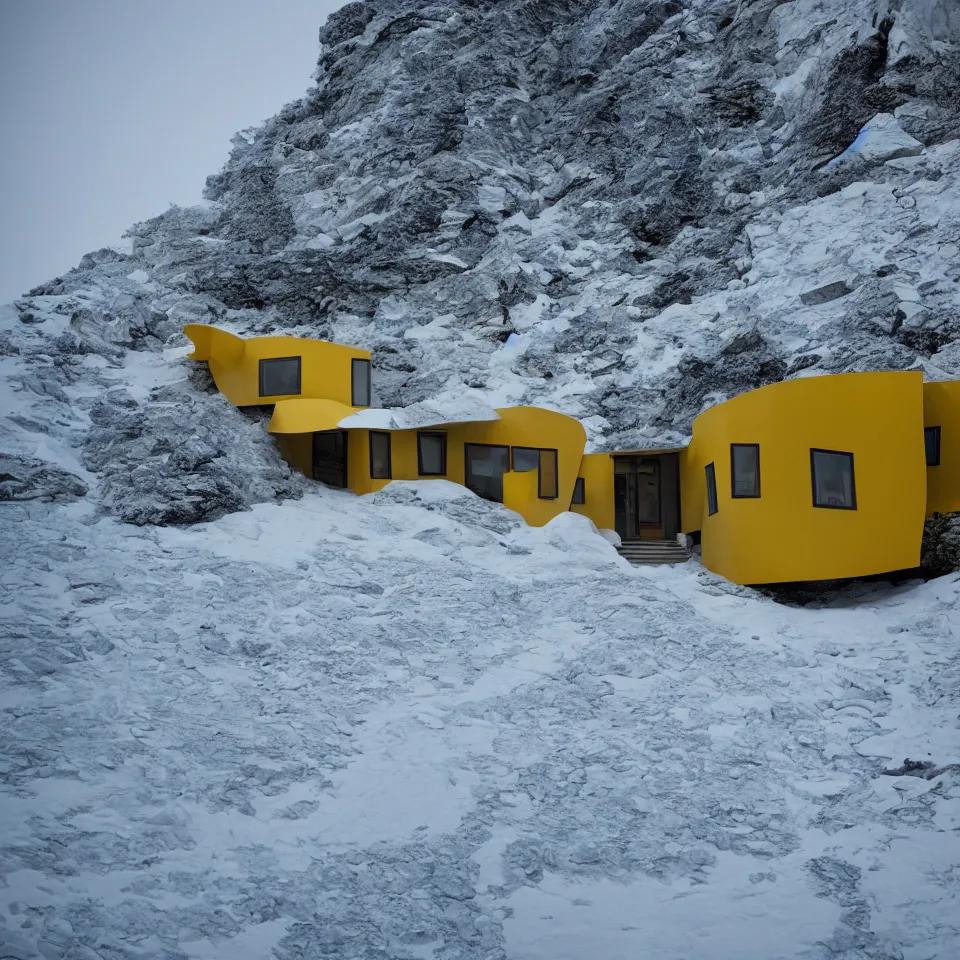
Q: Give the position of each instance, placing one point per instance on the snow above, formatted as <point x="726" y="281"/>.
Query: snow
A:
<point x="880" y="140"/>
<point x="467" y="406"/>
<point x="540" y="750"/>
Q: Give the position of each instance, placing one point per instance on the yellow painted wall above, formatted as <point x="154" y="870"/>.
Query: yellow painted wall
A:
<point x="520" y="494"/>
<point x="325" y="368"/>
<point x="517" y="427"/>
<point x="597" y="472"/>
<point x="781" y="536"/>
<point x="297" y="450"/>
<point x="941" y="408"/>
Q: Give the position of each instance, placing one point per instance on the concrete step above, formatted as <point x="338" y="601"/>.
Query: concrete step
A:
<point x="643" y="552"/>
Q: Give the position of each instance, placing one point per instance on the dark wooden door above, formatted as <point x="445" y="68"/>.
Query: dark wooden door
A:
<point x="330" y="457"/>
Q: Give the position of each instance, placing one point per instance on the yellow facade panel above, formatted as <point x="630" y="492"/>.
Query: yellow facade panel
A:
<point x="781" y="536"/>
<point x="941" y="408"/>
<point x="596" y="469"/>
<point x="326" y="370"/>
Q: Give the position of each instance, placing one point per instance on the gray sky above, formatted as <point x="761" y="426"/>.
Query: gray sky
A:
<point x="113" y="109"/>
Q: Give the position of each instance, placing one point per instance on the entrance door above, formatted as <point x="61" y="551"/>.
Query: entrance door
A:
<point x="638" y="485"/>
<point x="484" y="467"/>
<point x="648" y="499"/>
<point x="330" y="457"/>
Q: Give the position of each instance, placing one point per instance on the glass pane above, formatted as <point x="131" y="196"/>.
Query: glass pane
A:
<point x="711" y="489"/>
<point x="525" y="459"/>
<point x="579" y="491"/>
<point x="548" y="474"/>
<point x="330" y="457"/>
<point x="380" y="456"/>
<point x="279" y="377"/>
<point x="432" y="447"/>
<point x="485" y="467"/>
<point x="361" y="383"/>
<point x="833" y="479"/>
<point x="746" y="470"/>
<point x="648" y="496"/>
<point x="931" y="441"/>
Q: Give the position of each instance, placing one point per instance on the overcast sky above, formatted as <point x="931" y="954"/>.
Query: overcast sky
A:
<point x="111" y="110"/>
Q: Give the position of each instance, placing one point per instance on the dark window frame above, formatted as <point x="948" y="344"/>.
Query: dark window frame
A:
<point x="935" y="432"/>
<point x="389" y="436"/>
<point x="260" y="369"/>
<point x="442" y="435"/>
<point x="579" y="492"/>
<point x="466" y="463"/>
<point x="813" y="479"/>
<point x="353" y="381"/>
<point x="556" y="474"/>
<point x="713" y="500"/>
<point x="539" y="451"/>
<point x="733" y="473"/>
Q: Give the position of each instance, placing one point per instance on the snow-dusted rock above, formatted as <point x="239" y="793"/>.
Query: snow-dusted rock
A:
<point x="881" y="139"/>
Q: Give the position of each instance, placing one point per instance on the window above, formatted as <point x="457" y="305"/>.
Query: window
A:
<point x="833" y="482"/>
<point x="432" y="454"/>
<point x="931" y="441"/>
<point x="484" y="467"/>
<point x="547" y="481"/>
<point x="579" y="492"/>
<point x="360" y="383"/>
<point x="712" y="507"/>
<point x="280" y="377"/>
<point x="544" y="461"/>
<point x="380" y="466"/>
<point x="525" y="459"/>
<point x="744" y="470"/>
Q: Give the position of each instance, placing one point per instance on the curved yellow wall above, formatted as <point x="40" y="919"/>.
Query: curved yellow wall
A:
<point x="781" y="536"/>
<point x="517" y="427"/>
<point x="597" y="472"/>
<point x="325" y="368"/>
<point x="941" y="408"/>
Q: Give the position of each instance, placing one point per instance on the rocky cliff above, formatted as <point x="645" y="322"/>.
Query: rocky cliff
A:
<point x="624" y="209"/>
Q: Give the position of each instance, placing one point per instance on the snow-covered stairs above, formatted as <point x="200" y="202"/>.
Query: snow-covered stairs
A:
<point x="642" y="552"/>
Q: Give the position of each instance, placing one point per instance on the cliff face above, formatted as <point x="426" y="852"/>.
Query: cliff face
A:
<point x="625" y="209"/>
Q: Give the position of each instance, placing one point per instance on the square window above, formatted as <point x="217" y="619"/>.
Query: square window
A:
<point x="744" y="470"/>
<point x="548" y="481"/>
<point x="484" y="465"/>
<point x="280" y="377"/>
<point x="432" y="454"/>
<point x="931" y="443"/>
<point x="525" y="459"/>
<point x="360" y="383"/>
<point x="833" y="479"/>
<point x="579" y="491"/>
<point x="712" y="506"/>
<point x="380" y="466"/>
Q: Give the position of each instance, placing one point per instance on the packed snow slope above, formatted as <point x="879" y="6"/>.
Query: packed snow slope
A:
<point x="406" y="725"/>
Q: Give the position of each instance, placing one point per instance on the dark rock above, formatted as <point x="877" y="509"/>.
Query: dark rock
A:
<point x="940" y="552"/>
<point x="25" y="478"/>
<point x="826" y="293"/>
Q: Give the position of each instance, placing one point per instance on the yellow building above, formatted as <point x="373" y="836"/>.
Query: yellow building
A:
<point x="818" y="478"/>
<point x="527" y="458"/>
<point x="524" y="457"/>
<point x="262" y="370"/>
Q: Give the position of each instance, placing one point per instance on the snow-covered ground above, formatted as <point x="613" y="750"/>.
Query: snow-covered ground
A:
<point x="408" y="726"/>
